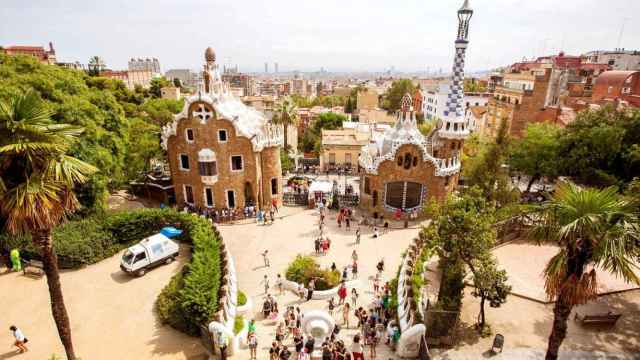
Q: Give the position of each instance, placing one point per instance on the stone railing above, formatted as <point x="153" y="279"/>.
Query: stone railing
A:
<point x="447" y="167"/>
<point x="411" y="331"/>
<point x="224" y="319"/>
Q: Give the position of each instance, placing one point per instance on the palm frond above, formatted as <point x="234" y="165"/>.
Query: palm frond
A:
<point x="69" y="170"/>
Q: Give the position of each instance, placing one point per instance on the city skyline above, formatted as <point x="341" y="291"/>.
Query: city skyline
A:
<point x="414" y="37"/>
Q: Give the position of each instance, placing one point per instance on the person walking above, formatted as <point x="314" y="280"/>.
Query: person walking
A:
<point x="354" y="297"/>
<point x="280" y="284"/>
<point x="317" y="245"/>
<point x="358" y="235"/>
<point x="274" y="204"/>
<point x="344" y="274"/>
<point x="354" y="269"/>
<point x="20" y="339"/>
<point x="354" y="256"/>
<point x="376" y="283"/>
<point x="265" y="258"/>
<point x="265" y="283"/>
<point x="332" y="305"/>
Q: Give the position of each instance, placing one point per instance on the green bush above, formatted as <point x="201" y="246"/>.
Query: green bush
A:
<point x="167" y="305"/>
<point x="242" y="298"/>
<point x="77" y="243"/>
<point x="304" y="268"/>
<point x="238" y="324"/>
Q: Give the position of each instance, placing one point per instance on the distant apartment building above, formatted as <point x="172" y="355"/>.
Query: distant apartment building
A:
<point x="367" y="99"/>
<point x="131" y="78"/>
<point x="548" y="89"/>
<point x="47" y="57"/>
<point x="298" y="86"/>
<point x="619" y="59"/>
<point x="151" y="65"/>
<point x="187" y="77"/>
<point x="263" y="103"/>
<point x="341" y="149"/>
<point x="238" y="81"/>
<point x="434" y="101"/>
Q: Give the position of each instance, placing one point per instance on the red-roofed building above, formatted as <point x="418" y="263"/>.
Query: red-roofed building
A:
<point x="39" y="52"/>
<point x="615" y="86"/>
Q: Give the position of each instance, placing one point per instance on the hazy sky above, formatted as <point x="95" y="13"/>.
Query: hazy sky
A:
<point x="339" y="35"/>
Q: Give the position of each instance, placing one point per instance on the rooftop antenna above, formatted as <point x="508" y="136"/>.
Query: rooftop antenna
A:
<point x="624" y="21"/>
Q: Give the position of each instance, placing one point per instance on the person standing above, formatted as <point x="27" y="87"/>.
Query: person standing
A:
<point x="358" y="235"/>
<point x="354" y="256"/>
<point x="274" y="204"/>
<point x="332" y="306"/>
<point x="16" y="262"/>
<point x="222" y="344"/>
<point x="354" y="297"/>
<point x="344" y="274"/>
<point x="317" y="246"/>
<point x="253" y="345"/>
<point x="265" y="283"/>
<point x="347" y="223"/>
<point x="21" y="340"/>
<point x="312" y="284"/>
<point x="356" y="349"/>
<point x="265" y="258"/>
<point x="280" y="284"/>
<point x="342" y="293"/>
<point x="345" y="315"/>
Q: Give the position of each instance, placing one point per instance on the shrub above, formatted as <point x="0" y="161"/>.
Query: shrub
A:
<point x="167" y="305"/>
<point x="238" y="324"/>
<point x="242" y="298"/>
<point x="305" y="268"/>
<point x="77" y="243"/>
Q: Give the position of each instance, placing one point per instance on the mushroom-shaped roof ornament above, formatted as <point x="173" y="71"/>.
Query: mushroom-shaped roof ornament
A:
<point x="209" y="55"/>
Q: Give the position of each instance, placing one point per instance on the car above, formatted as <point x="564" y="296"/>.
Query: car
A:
<point x="153" y="251"/>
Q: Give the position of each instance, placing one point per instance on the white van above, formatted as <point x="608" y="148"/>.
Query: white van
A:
<point x="150" y="252"/>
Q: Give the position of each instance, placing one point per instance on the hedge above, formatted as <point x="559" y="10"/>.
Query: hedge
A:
<point x="304" y="268"/>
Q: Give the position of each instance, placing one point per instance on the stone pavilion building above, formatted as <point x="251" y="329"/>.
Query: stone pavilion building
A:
<point x="222" y="153"/>
<point x="403" y="169"/>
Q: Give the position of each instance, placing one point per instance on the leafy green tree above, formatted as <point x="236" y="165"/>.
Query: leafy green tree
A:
<point x="486" y="170"/>
<point x="594" y="229"/>
<point x="393" y="96"/>
<point x="286" y="114"/>
<point x="536" y="154"/>
<point x="473" y="85"/>
<point x="96" y="66"/>
<point x="156" y="85"/>
<point x="286" y="162"/>
<point x="37" y="178"/>
<point x="312" y="138"/>
<point x="143" y="147"/>
<point x="602" y="147"/>
<point x="462" y="234"/>
<point x="349" y="106"/>
<point x="177" y="83"/>
<point x="490" y="285"/>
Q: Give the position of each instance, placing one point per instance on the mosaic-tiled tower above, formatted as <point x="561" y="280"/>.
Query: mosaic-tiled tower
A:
<point x="453" y="126"/>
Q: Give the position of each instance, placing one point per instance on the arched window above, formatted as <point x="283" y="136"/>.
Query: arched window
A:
<point x="374" y="198"/>
<point x="407" y="161"/>
<point x="415" y="161"/>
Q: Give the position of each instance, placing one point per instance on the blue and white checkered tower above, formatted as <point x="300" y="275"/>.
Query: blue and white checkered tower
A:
<point x="453" y="126"/>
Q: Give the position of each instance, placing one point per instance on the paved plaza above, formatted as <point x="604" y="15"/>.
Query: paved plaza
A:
<point x="294" y="234"/>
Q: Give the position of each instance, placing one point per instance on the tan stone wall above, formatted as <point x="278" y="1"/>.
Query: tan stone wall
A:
<point x="271" y="169"/>
<point x="390" y="171"/>
<point x="340" y="152"/>
<point x="206" y="136"/>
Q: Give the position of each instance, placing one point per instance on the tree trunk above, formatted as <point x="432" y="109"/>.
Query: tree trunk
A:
<point x="285" y="133"/>
<point x="532" y="181"/>
<point x="482" y="320"/>
<point x="50" y="261"/>
<point x="561" y="312"/>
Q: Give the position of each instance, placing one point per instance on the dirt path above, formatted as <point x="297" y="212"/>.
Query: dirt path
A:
<point x="111" y="314"/>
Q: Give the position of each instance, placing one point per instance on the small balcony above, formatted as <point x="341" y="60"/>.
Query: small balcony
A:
<point x="209" y="180"/>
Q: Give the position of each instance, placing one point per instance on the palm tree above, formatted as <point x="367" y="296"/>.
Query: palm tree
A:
<point x="594" y="229"/>
<point x="96" y="65"/>
<point x="36" y="185"/>
<point x="286" y="114"/>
